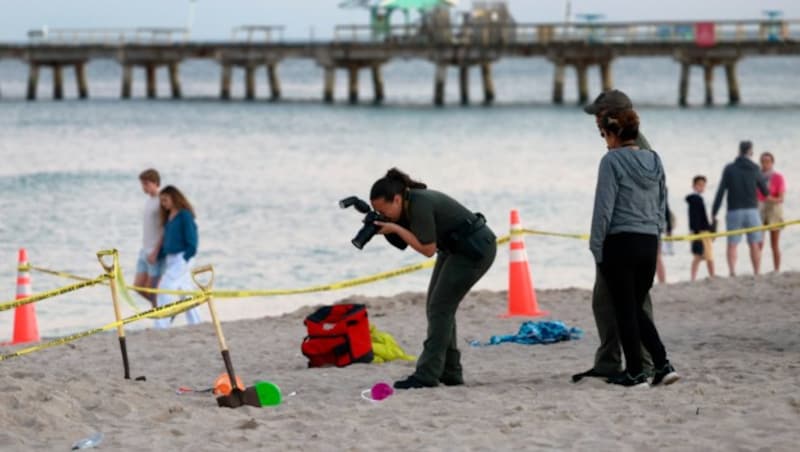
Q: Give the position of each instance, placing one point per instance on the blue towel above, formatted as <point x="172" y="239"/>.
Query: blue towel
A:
<point x="544" y="332"/>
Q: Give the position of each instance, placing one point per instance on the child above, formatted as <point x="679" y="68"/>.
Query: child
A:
<point x="698" y="222"/>
<point x="178" y="248"/>
<point x="148" y="267"/>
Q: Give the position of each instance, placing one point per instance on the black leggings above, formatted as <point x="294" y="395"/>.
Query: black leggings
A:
<point x="629" y="265"/>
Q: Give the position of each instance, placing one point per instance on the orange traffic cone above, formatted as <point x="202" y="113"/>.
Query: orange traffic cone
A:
<point x="25" y="325"/>
<point x="521" y="296"/>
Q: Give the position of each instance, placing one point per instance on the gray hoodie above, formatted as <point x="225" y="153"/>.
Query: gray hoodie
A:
<point x="631" y="196"/>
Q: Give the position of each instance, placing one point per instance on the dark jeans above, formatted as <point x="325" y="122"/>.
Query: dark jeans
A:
<point x="629" y="265"/>
<point x="608" y="357"/>
<point x="453" y="276"/>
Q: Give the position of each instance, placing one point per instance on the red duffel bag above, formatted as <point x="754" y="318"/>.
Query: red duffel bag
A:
<point x="338" y="336"/>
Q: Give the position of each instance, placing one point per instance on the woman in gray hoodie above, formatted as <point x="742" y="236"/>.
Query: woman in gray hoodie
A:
<point x="629" y="216"/>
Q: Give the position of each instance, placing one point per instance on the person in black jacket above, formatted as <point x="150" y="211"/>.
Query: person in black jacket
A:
<point x="698" y="222"/>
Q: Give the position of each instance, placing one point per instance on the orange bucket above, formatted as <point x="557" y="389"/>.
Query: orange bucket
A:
<point x="222" y="385"/>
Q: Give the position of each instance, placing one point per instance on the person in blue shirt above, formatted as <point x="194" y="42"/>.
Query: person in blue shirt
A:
<point x="178" y="248"/>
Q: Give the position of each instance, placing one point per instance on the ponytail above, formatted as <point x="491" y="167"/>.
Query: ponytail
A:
<point x="394" y="183"/>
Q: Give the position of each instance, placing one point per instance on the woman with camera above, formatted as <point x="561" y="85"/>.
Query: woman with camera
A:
<point x="629" y="215"/>
<point x="431" y="223"/>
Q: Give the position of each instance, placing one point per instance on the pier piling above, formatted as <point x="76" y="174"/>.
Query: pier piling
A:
<point x="127" y="81"/>
<point x="225" y="82"/>
<point x="488" y="83"/>
<point x="174" y="81"/>
<point x="250" y="82"/>
<point x="683" y="87"/>
<point x="58" y="82"/>
<point x="558" y="84"/>
<point x="606" y="78"/>
<point x="152" y="93"/>
<point x="583" y="84"/>
<point x="330" y="83"/>
<point x="353" y="84"/>
<point x="464" y="82"/>
<point x="708" y="75"/>
<point x="274" y="81"/>
<point x="377" y="83"/>
<point x="80" y="78"/>
<point x="439" y="85"/>
<point x="33" y="81"/>
<point x="733" y="83"/>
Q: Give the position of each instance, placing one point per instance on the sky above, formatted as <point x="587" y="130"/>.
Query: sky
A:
<point x="214" y="19"/>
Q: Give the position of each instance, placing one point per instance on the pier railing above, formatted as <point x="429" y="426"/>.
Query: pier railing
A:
<point x="108" y="36"/>
<point x="591" y="33"/>
<point x="258" y="33"/>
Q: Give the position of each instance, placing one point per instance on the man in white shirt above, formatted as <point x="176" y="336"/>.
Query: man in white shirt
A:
<point x="148" y="267"/>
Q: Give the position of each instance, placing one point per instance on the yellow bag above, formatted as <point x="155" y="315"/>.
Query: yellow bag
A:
<point x="385" y="348"/>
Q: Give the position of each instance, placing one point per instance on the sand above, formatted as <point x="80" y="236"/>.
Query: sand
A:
<point x="735" y="341"/>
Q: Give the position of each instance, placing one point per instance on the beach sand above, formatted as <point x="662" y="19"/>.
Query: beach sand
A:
<point x="736" y="343"/>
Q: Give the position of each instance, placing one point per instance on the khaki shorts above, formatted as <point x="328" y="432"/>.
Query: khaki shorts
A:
<point x="771" y="212"/>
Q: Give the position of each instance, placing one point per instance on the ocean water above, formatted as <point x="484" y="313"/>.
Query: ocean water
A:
<point x="265" y="177"/>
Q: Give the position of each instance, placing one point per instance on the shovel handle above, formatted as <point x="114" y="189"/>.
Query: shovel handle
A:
<point x="199" y="271"/>
<point x="101" y="255"/>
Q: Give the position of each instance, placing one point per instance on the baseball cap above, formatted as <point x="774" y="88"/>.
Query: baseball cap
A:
<point x="609" y="100"/>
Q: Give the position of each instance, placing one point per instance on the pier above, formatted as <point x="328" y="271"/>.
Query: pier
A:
<point x="355" y="49"/>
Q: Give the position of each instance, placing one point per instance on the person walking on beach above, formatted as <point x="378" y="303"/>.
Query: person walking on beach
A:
<point x="771" y="206"/>
<point x="664" y="248"/>
<point x="740" y="180"/>
<point x="628" y="217"/>
<point x="608" y="357"/>
<point x="698" y="223"/>
<point x="431" y="223"/>
<point x="148" y="266"/>
<point x="178" y="249"/>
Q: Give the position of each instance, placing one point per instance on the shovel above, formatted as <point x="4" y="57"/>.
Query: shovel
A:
<point x="112" y="270"/>
<point x="237" y="397"/>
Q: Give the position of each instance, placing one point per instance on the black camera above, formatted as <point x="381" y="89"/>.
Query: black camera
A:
<point x="369" y="229"/>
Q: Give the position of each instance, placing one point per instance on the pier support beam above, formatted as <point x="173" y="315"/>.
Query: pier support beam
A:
<point x="352" y="85"/>
<point x="127" y="81"/>
<point x="708" y="75"/>
<point x="488" y="83"/>
<point x="175" y="81"/>
<point x="463" y="73"/>
<point x="152" y="93"/>
<point x="58" y="82"/>
<point x="80" y="78"/>
<point x="274" y="81"/>
<point x="33" y="80"/>
<point x="377" y="83"/>
<point x="250" y="82"/>
<point x="583" y="84"/>
<point x="558" y="84"/>
<point x="606" y="79"/>
<point x="683" y="86"/>
<point x="330" y="83"/>
<point x="225" y="82"/>
<point x="733" y="83"/>
<point x="439" y="85"/>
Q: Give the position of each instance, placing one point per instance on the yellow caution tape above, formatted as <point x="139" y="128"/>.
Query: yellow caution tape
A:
<point x="714" y="235"/>
<point x="163" y="311"/>
<point x="320" y="288"/>
<point x="413" y="268"/>
<point x="51" y="293"/>
<point x="60" y="274"/>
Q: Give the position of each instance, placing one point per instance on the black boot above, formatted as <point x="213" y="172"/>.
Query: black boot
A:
<point x="411" y="383"/>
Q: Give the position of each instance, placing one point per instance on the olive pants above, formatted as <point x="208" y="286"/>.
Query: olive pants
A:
<point x="608" y="358"/>
<point x="453" y="276"/>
